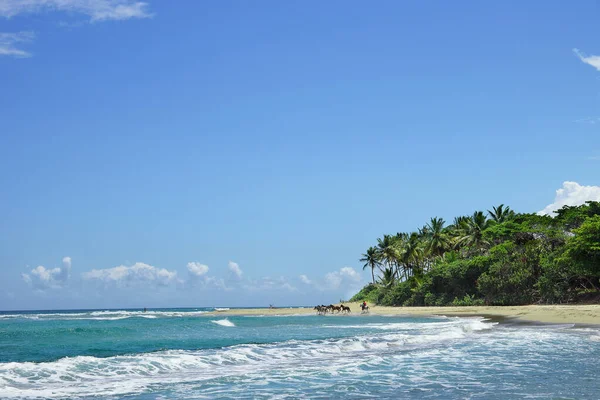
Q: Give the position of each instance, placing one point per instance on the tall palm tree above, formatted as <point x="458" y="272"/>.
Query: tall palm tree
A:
<point x="472" y="231"/>
<point x="437" y="238"/>
<point x="388" y="252"/>
<point x="413" y="254"/>
<point x="371" y="259"/>
<point x="501" y="214"/>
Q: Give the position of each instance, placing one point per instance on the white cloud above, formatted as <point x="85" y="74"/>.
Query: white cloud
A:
<point x="97" y="10"/>
<point x="572" y="194"/>
<point x="196" y="269"/>
<point x="198" y="276"/>
<point x="270" y="283"/>
<point x="345" y="276"/>
<point x="305" y="279"/>
<point x="8" y="43"/>
<point x="235" y="269"/>
<point x="594" y="61"/>
<point x="218" y="283"/>
<point x="588" y="120"/>
<point x="46" y="278"/>
<point x="137" y="273"/>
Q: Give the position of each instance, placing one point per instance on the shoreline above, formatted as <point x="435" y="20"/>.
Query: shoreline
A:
<point x="554" y="314"/>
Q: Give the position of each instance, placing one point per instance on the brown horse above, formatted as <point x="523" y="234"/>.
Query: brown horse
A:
<point x="345" y="309"/>
<point x="321" y="309"/>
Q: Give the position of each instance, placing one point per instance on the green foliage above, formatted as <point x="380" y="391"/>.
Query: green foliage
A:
<point x="468" y="300"/>
<point x="584" y="247"/>
<point x="507" y="259"/>
<point x="512" y="275"/>
<point x="370" y="293"/>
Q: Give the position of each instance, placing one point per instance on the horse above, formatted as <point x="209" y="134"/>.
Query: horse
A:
<point x="345" y="309"/>
<point x="321" y="309"/>
<point x="364" y="308"/>
<point x="335" y="308"/>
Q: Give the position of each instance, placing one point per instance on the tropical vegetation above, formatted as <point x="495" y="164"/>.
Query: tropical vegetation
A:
<point x="497" y="257"/>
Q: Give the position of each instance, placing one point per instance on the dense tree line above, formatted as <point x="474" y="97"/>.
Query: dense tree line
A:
<point x="496" y="258"/>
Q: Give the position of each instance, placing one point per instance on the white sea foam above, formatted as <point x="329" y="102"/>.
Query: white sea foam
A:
<point x="222" y="308"/>
<point x="381" y="352"/>
<point x="109" y="315"/>
<point x="122" y="375"/>
<point x="223" y="322"/>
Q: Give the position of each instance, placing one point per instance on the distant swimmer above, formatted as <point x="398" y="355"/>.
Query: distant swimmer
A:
<point x="145" y="309"/>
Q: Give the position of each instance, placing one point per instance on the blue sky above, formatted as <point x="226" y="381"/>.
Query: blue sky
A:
<point x="232" y="153"/>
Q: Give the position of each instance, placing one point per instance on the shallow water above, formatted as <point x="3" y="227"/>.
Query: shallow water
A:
<point x="165" y="354"/>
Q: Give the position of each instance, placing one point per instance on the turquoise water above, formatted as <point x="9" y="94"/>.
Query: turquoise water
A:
<point x="186" y="354"/>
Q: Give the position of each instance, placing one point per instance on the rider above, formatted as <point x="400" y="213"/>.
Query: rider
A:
<point x="363" y="305"/>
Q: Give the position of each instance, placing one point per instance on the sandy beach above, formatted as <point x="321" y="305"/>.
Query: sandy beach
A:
<point x="571" y="314"/>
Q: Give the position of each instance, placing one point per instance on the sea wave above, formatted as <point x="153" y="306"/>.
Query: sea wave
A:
<point x="84" y="376"/>
<point x="108" y="315"/>
<point x="223" y="322"/>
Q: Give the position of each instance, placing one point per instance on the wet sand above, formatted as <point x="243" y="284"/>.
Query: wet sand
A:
<point x="570" y="314"/>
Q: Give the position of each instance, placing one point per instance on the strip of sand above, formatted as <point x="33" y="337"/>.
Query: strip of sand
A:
<point x="570" y="314"/>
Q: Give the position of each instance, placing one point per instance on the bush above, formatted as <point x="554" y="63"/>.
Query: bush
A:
<point x="370" y="293"/>
<point x="467" y="301"/>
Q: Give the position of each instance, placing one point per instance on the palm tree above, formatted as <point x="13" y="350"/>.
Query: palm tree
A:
<point x="371" y="259"/>
<point x="413" y="254"/>
<point x="472" y="231"/>
<point x="388" y="278"/>
<point x="437" y="238"/>
<point x="388" y="252"/>
<point x="501" y="214"/>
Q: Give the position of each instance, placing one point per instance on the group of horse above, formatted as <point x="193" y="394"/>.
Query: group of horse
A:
<point x="323" y="309"/>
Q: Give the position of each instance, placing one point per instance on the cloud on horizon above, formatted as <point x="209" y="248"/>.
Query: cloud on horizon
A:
<point x="594" y="61"/>
<point x="139" y="273"/>
<point x="196" y="269"/>
<point x="235" y="269"/>
<point x="42" y="278"/>
<point x="269" y="283"/>
<point x="571" y="194"/>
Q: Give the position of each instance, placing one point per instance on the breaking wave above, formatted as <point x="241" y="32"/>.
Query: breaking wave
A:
<point x="109" y="315"/>
<point x="83" y="376"/>
<point x="224" y="322"/>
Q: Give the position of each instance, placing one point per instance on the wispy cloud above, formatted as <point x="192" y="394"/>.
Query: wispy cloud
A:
<point x="345" y="276"/>
<point x="588" y="120"/>
<point x="268" y="283"/>
<point x="97" y="10"/>
<point x="46" y="278"/>
<point x="9" y="42"/>
<point x="139" y="273"/>
<point x="594" y="158"/>
<point x="594" y="61"/>
<point x="572" y="194"/>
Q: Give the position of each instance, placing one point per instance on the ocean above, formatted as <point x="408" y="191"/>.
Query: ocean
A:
<point x="187" y="354"/>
